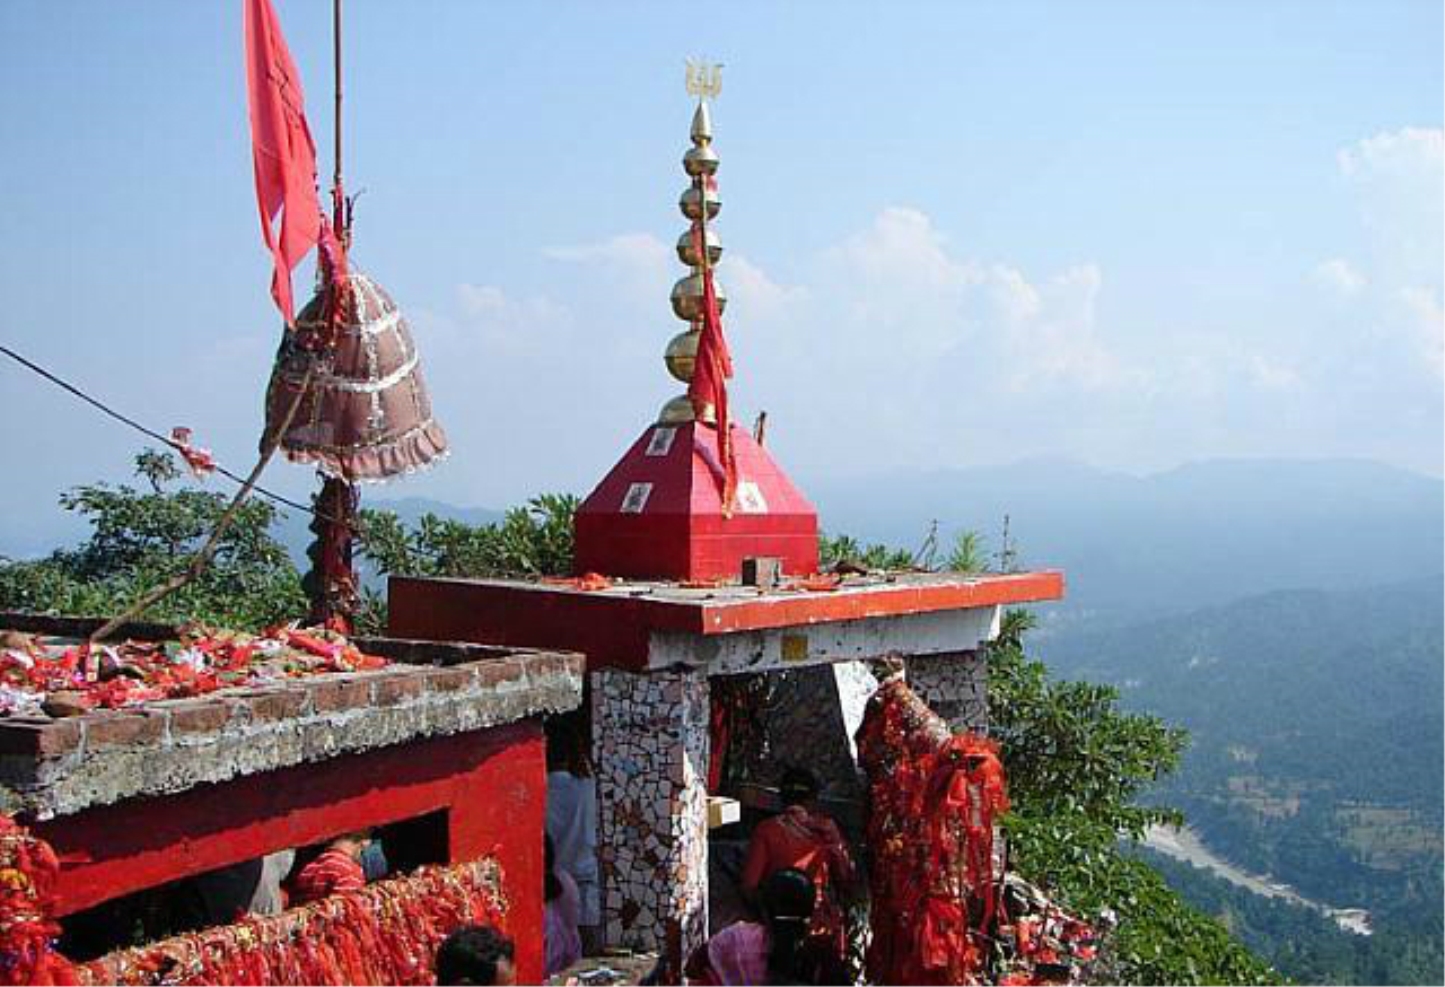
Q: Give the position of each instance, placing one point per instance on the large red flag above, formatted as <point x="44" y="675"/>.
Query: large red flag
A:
<point x="713" y="367"/>
<point x="281" y="148"/>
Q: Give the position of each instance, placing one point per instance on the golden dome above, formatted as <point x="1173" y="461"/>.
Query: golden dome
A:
<point x="687" y="249"/>
<point x="692" y="196"/>
<point x="687" y="297"/>
<point x="677" y="411"/>
<point x="700" y="161"/>
<point x="681" y="355"/>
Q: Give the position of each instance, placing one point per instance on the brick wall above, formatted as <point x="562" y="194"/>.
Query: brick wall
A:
<point x="51" y="767"/>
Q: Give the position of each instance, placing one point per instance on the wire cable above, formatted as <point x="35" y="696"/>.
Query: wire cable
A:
<point x="151" y="433"/>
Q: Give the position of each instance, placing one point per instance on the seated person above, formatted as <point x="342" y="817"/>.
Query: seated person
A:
<point x="804" y="838"/>
<point x="251" y="887"/>
<point x="476" y="954"/>
<point x="563" y="941"/>
<point x="337" y="870"/>
<point x="777" y="950"/>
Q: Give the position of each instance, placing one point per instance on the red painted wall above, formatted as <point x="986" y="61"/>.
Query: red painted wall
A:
<point x="491" y="783"/>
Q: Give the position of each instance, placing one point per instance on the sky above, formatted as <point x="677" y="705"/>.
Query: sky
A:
<point x="1129" y="234"/>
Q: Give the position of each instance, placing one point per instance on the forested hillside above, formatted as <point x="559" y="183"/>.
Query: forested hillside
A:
<point x="1316" y="727"/>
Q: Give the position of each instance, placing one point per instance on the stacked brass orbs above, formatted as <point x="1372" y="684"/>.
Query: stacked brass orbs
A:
<point x="700" y="204"/>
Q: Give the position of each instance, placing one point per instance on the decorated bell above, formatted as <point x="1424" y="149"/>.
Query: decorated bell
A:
<point x="366" y="415"/>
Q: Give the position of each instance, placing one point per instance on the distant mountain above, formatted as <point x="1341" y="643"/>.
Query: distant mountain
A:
<point x="1172" y="541"/>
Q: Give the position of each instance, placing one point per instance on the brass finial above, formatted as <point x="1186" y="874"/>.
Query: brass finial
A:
<point x="699" y="247"/>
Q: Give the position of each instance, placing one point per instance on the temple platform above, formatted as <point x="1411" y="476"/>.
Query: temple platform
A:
<point x="653" y="651"/>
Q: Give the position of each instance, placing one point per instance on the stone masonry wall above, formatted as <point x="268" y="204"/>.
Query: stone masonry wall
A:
<point x="954" y="685"/>
<point x="52" y="767"/>
<point x="651" y="750"/>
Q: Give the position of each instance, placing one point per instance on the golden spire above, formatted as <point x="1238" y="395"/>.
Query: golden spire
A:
<point x="700" y="204"/>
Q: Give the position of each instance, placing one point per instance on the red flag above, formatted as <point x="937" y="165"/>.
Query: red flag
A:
<point x="281" y="149"/>
<point x="713" y="367"/>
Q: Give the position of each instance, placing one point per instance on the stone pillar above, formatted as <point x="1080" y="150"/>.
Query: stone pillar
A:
<point x="650" y="747"/>
<point x="955" y="686"/>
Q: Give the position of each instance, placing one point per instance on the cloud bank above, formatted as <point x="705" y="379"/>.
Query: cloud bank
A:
<point x="898" y="347"/>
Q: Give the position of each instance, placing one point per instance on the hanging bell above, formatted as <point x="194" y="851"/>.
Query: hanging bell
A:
<point x="366" y="415"/>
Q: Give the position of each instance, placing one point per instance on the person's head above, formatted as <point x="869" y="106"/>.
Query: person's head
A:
<point x="476" y="954"/>
<point x="352" y="844"/>
<point x="551" y="884"/>
<point x="798" y="786"/>
<point x="786" y="899"/>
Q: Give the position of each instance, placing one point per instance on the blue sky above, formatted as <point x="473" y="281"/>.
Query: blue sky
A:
<point x="1133" y="234"/>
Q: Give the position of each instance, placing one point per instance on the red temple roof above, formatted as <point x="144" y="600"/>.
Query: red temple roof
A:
<point x="659" y="515"/>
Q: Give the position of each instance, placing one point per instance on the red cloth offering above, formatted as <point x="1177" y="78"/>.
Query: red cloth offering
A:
<point x="713" y="367"/>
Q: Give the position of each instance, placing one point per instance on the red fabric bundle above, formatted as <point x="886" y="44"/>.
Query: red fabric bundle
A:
<point x="28" y="869"/>
<point x="386" y="933"/>
<point x="933" y="799"/>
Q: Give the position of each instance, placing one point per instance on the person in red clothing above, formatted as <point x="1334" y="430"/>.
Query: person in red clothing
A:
<point x="805" y="839"/>
<point x="337" y="870"/>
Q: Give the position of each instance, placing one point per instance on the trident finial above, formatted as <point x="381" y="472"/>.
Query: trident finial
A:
<point x="704" y="79"/>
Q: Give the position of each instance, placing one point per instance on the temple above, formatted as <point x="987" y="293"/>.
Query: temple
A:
<point x="682" y="599"/>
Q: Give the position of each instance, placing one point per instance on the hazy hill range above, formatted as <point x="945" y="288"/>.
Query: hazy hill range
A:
<point x="1173" y="541"/>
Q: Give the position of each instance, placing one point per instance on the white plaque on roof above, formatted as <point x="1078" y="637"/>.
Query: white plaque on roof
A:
<point x="636" y="499"/>
<point x="750" y="498"/>
<point x="661" y="442"/>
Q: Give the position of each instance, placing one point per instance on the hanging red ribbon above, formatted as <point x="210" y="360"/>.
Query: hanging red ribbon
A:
<point x="711" y="371"/>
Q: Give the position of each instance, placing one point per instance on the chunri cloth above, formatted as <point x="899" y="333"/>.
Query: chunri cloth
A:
<point x="933" y="797"/>
<point x="367" y="415"/>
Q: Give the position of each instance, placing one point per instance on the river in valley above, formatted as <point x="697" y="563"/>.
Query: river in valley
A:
<point x="1185" y="844"/>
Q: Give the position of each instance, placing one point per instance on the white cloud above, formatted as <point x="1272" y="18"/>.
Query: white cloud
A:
<point x="641" y="263"/>
<point x="899" y="347"/>
<point x="1426" y="320"/>
<point x="1404" y="153"/>
<point x="1398" y="181"/>
<point x="1340" y="276"/>
<point x="1272" y="375"/>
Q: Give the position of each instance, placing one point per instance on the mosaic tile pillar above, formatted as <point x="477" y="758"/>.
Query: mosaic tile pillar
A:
<point x="955" y="686"/>
<point x="650" y="746"/>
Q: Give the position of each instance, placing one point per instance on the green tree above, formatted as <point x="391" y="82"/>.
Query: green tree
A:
<point x="836" y="550"/>
<point x="969" y="553"/>
<point x="533" y="540"/>
<point x="139" y="539"/>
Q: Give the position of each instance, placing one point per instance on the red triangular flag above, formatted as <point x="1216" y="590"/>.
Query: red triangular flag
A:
<point x="712" y="368"/>
<point x="281" y="149"/>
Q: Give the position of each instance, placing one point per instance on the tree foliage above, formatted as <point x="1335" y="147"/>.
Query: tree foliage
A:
<point x="969" y="553"/>
<point x="139" y="539"/>
<point x="533" y="540"/>
<point x="835" y="550"/>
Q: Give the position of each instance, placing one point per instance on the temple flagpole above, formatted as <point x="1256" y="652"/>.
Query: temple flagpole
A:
<point x="332" y="584"/>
